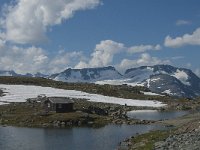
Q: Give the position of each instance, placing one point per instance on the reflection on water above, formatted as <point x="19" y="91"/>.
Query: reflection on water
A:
<point x="155" y="115"/>
<point x="106" y="138"/>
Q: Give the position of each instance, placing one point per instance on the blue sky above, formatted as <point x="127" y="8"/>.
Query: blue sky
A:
<point x="50" y="36"/>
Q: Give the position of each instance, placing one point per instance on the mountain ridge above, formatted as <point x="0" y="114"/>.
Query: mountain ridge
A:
<point x="86" y="74"/>
<point x="160" y="79"/>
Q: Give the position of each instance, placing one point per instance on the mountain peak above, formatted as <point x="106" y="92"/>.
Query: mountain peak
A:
<point x="160" y="78"/>
<point x="87" y="74"/>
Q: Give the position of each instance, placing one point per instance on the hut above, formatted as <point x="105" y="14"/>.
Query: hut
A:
<point x="58" y="104"/>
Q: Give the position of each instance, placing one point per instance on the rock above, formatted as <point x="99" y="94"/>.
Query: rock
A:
<point x="63" y="124"/>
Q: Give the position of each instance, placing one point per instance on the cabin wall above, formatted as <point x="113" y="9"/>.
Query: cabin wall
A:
<point x="58" y="107"/>
<point x="62" y="108"/>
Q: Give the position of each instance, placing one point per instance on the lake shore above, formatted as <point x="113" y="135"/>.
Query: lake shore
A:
<point x="184" y="135"/>
<point x="92" y="114"/>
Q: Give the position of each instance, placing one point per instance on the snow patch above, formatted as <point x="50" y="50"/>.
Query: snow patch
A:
<point x="151" y="93"/>
<point x="148" y="82"/>
<point x="3" y="103"/>
<point x="19" y="93"/>
<point x="119" y="82"/>
<point x="154" y="80"/>
<point x="150" y="68"/>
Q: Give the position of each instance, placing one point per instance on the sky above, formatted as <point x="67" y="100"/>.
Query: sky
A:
<point x="49" y="36"/>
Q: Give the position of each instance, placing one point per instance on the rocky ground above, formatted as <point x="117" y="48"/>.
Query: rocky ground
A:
<point x="85" y="114"/>
<point x="185" y="135"/>
<point x="185" y="141"/>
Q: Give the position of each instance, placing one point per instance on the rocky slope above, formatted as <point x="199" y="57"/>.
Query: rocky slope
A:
<point x="166" y="79"/>
<point x="185" y="137"/>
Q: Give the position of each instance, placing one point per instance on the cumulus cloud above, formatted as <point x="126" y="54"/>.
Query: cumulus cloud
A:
<point x="145" y="59"/>
<point x="34" y="59"/>
<point x="20" y="59"/>
<point x="186" y="39"/>
<point x="182" y="22"/>
<point x="103" y="54"/>
<point x="27" y="21"/>
<point x="105" y="51"/>
<point x="65" y="59"/>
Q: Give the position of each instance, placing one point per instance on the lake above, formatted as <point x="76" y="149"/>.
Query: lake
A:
<point x="155" y="115"/>
<point x="83" y="138"/>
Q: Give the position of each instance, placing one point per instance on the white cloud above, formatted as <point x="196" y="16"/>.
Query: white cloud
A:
<point x="34" y="59"/>
<point x="182" y="22"/>
<point x="144" y="60"/>
<point x="143" y="48"/>
<point x="105" y="51"/>
<point x="81" y="64"/>
<point x="26" y="21"/>
<point x="23" y="60"/>
<point x="65" y="59"/>
<point x="186" y="39"/>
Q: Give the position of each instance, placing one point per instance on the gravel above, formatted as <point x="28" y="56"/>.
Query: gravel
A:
<point x="182" y="141"/>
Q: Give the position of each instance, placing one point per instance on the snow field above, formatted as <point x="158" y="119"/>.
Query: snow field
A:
<point x="19" y="93"/>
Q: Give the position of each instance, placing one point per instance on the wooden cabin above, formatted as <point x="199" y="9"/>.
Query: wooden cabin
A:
<point x="59" y="104"/>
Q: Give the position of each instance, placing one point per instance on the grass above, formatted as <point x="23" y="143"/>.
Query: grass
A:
<point x="29" y="115"/>
<point x="146" y="141"/>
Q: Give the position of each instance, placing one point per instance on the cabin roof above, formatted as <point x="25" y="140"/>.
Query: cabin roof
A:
<point x="60" y="100"/>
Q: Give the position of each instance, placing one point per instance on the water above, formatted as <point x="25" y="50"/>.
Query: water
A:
<point x="155" y="115"/>
<point x="106" y="138"/>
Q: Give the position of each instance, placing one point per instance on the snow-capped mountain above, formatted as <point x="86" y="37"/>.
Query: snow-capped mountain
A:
<point x="165" y="79"/>
<point x="87" y="75"/>
<point x="13" y="73"/>
<point x="160" y="79"/>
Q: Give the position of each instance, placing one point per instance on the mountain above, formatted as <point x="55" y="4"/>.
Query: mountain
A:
<point x="165" y="79"/>
<point x="38" y="74"/>
<point x="13" y="73"/>
<point x="87" y="75"/>
<point x="160" y="79"/>
<point x="8" y="73"/>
